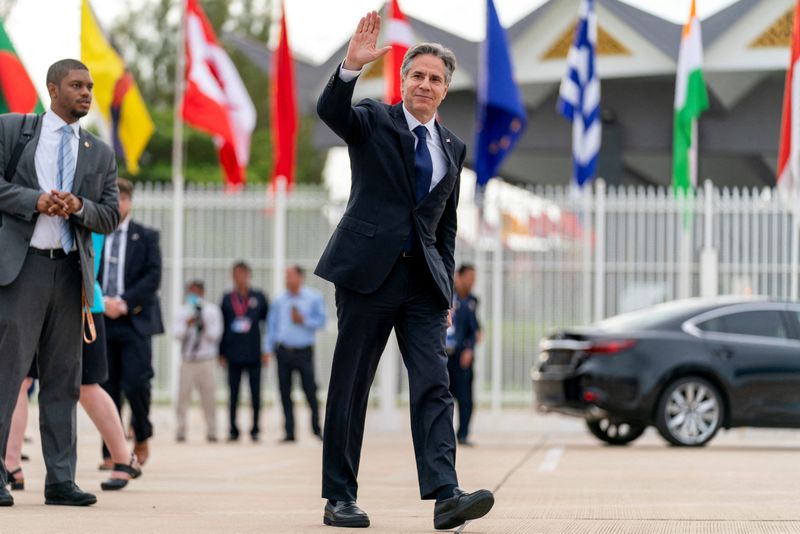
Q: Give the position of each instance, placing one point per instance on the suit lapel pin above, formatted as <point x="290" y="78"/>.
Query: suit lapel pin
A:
<point x="86" y="143"/>
<point x="135" y="237"/>
<point x="447" y="140"/>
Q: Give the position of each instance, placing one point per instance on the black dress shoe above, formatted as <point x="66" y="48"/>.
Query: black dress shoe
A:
<point x="345" y="514"/>
<point x="5" y="497"/>
<point x="67" y="494"/>
<point x="462" y="507"/>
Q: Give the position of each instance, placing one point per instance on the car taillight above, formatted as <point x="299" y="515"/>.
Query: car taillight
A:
<point x="610" y="346"/>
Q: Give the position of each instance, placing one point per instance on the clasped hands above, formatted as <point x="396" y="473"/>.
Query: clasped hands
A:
<point x="58" y="204"/>
<point x="115" y="307"/>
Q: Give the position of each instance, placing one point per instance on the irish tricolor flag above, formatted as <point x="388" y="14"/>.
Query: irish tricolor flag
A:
<point x="691" y="99"/>
<point x="17" y="93"/>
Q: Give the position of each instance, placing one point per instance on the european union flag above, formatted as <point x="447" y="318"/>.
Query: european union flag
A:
<point x="501" y="113"/>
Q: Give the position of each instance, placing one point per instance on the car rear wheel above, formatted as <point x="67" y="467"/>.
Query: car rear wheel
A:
<point x="690" y="412"/>
<point x="612" y="432"/>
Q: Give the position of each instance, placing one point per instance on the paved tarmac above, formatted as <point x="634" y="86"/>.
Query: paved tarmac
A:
<point x="550" y="476"/>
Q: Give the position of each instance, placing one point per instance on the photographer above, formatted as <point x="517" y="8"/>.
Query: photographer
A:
<point x="198" y="326"/>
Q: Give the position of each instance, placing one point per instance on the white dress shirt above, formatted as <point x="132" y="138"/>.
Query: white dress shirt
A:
<point x="123" y="246"/>
<point x="47" y="232"/>
<point x="438" y="157"/>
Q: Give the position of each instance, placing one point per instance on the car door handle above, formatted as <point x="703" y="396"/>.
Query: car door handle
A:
<point x="724" y="353"/>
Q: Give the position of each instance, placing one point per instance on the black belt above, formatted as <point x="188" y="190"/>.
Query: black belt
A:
<point x="52" y="253"/>
<point x="295" y="349"/>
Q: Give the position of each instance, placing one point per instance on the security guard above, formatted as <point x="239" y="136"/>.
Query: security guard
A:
<point x="462" y="336"/>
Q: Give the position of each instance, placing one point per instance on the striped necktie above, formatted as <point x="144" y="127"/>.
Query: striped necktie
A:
<point x="66" y="175"/>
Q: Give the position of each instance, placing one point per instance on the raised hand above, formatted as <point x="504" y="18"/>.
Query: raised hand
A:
<point x="363" y="45"/>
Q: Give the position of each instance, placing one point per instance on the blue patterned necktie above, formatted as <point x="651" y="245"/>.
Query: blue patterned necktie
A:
<point x="112" y="276"/>
<point x="423" y="163"/>
<point x="66" y="175"/>
<point x="423" y="171"/>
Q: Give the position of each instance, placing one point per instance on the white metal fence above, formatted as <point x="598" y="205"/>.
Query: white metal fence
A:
<point x="546" y="258"/>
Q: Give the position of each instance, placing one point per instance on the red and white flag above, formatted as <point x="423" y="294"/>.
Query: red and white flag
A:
<point x="400" y="37"/>
<point x="789" y="152"/>
<point x="284" y="109"/>
<point x="215" y="99"/>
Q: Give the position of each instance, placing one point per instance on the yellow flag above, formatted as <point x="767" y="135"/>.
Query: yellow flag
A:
<point x="115" y="92"/>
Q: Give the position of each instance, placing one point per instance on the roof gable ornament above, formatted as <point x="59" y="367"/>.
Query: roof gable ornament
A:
<point x="779" y="35"/>
<point x="607" y="45"/>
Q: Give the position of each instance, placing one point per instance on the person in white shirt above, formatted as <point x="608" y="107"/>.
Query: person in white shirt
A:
<point x="198" y="326"/>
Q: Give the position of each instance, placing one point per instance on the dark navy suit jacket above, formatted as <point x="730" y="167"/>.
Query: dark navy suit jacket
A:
<point x="382" y="207"/>
<point x="142" y="278"/>
<point x="243" y="348"/>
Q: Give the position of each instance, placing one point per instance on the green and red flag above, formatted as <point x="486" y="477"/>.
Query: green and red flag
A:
<point x="17" y="92"/>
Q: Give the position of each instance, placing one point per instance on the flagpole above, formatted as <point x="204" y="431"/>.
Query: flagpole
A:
<point x="586" y="209"/>
<point x="687" y="214"/>
<point x="794" y="283"/>
<point x="176" y="287"/>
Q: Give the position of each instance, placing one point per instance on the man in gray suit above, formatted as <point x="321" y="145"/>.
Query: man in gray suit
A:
<point x="64" y="187"/>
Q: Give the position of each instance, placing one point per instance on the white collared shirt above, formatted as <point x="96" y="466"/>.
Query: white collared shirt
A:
<point x="47" y="232"/>
<point x="123" y="246"/>
<point x="438" y="157"/>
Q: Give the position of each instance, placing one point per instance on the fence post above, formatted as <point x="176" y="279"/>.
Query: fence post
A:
<point x="685" y="203"/>
<point x="279" y="237"/>
<point x="176" y="280"/>
<point x="497" y="309"/>
<point x="482" y="360"/>
<point x="600" y="251"/>
<point x="709" y="265"/>
<point x="586" y="210"/>
<point x="795" y="245"/>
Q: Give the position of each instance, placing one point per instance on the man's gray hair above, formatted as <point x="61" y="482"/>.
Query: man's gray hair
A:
<point x="434" y="49"/>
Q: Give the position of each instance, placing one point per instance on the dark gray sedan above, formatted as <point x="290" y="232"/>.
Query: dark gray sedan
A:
<point x="687" y="367"/>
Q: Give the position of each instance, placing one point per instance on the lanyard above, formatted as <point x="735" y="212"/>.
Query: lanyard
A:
<point x="239" y="304"/>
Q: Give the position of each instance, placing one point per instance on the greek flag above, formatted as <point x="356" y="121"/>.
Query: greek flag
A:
<point x="579" y="96"/>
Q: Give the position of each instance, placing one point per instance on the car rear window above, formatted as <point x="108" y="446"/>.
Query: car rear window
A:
<point x="764" y="323"/>
<point x="668" y="315"/>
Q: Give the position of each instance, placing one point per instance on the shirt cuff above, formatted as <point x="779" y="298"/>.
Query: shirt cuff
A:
<point x="79" y="213"/>
<point x="347" y="75"/>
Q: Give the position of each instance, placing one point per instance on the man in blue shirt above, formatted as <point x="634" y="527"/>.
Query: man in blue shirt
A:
<point x="293" y="320"/>
<point x="462" y="336"/>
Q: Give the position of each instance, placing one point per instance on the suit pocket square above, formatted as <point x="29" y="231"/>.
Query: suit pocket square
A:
<point x="358" y="226"/>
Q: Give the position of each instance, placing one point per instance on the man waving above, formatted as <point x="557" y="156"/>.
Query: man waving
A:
<point x="391" y="260"/>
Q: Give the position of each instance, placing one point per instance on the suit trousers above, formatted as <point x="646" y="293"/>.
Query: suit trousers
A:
<point x="406" y="302"/>
<point x="130" y="370"/>
<point x="41" y="311"/>
<point x="197" y="375"/>
<point x="302" y="361"/>
<point x="235" y="371"/>
<point x="461" y="387"/>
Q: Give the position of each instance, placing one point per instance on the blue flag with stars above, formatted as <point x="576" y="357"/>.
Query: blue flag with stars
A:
<point x="501" y="113"/>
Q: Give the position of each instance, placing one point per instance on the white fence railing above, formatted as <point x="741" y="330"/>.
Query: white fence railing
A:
<point x="556" y="259"/>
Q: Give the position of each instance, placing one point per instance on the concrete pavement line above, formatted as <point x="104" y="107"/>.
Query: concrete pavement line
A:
<point x="551" y="459"/>
<point x="536" y="447"/>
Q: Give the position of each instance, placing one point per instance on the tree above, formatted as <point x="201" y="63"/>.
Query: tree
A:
<point x="146" y="37"/>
